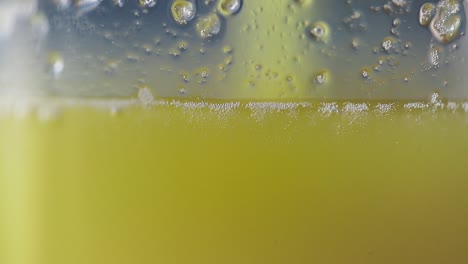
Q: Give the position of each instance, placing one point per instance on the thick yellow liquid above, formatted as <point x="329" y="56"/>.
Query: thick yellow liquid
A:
<point x="235" y="183"/>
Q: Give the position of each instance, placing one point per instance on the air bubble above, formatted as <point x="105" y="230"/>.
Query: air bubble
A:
<point x="229" y="7"/>
<point x="209" y="26"/>
<point x="447" y="23"/>
<point x="321" y="77"/>
<point x="426" y="14"/>
<point x="183" y="11"/>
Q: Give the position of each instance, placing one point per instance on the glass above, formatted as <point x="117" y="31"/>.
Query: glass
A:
<point x="218" y="131"/>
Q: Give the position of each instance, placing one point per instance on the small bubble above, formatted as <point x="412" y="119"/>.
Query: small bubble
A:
<point x="148" y="49"/>
<point x="229" y="7"/>
<point x="365" y="73"/>
<point x="183" y="11"/>
<point x="319" y="31"/>
<point x="55" y="63"/>
<point x="227" y="49"/>
<point x="132" y="57"/>
<point x="185" y="76"/>
<point x="119" y="3"/>
<point x="408" y="45"/>
<point x="208" y="26"/>
<point x="426" y="14"/>
<point x="182" y="45"/>
<point x="394" y="31"/>
<point x="321" y="77"/>
<point x="147" y="3"/>
<point x="355" y="43"/>
<point x="174" y="52"/>
<point x="202" y="74"/>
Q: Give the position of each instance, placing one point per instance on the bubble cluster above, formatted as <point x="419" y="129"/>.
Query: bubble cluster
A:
<point x="388" y="44"/>
<point x="183" y="11"/>
<point x="445" y="20"/>
<point x="145" y="95"/>
<point x="62" y="4"/>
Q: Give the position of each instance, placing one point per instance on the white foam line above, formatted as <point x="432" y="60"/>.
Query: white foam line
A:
<point x="24" y="105"/>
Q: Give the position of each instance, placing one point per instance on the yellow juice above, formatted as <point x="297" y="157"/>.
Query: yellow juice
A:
<point x="227" y="182"/>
